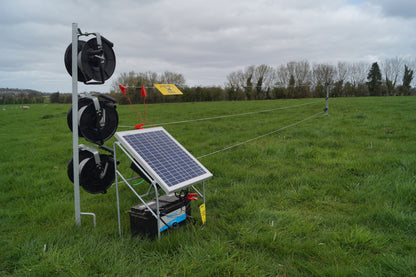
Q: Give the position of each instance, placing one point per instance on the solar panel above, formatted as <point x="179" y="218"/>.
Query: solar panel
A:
<point x="167" y="162"/>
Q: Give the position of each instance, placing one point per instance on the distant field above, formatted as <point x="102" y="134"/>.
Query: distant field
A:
<point x="334" y="195"/>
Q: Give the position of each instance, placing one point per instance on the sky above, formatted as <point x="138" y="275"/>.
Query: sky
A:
<point x="202" y="40"/>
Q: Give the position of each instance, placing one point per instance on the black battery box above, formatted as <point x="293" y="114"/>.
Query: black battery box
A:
<point x="174" y="212"/>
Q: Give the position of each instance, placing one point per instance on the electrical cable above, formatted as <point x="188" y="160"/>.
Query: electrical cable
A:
<point x="131" y="106"/>
<point x="143" y="94"/>
<point x="138" y="177"/>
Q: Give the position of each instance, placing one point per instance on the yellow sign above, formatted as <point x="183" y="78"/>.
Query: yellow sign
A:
<point x="168" y="89"/>
<point x="203" y="215"/>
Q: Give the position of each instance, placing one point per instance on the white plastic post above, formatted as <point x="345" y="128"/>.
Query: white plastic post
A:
<point x="327" y="97"/>
<point x="75" y="157"/>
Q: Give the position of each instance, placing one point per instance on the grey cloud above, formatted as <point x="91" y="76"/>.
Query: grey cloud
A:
<point x="400" y="8"/>
<point x="203" y="40"/>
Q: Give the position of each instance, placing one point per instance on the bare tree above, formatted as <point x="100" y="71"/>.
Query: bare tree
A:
<point x="248" y="81"/>
<point x="264" y="79"/>
<point x="235" y="80"/>
<point x="358" y="73"/>
<point x="147" y="79"/>
<point x="125" y="79"/>
<point x="282" y="76"/>
<point x="249" y="75"/>
<point x="302" y="73"/>
<point x="342" y="72"/>
<point x="341" y="75"/>
<point x="172" y="78"/>
<point x="392" y="70"/>
<point x="323" y="73"/>
<point x="290" y="67"/>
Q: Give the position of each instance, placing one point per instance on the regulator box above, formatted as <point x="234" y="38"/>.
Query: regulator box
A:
<point x="173" y="213"/>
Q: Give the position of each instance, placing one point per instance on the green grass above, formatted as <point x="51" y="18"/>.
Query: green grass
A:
<point x="332" y="196"/>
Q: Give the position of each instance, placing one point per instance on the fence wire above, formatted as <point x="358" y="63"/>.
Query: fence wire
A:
<point x="223" y="116"/>
<point x="261" y="136"/>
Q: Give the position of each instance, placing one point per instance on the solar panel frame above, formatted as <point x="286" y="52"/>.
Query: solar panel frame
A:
<point x="162" y="157"/>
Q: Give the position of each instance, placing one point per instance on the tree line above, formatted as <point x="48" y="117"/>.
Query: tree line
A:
<point x="20" y="96"/>
<point x="297" y="79"/>
<point x="302" y="79"/>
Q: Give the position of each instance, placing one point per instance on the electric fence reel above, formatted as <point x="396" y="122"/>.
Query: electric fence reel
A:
<point x="98" y="119"/>
<point x="96" y="171"/>
<point x="97" y="115"/>
<point x="96" y="59"/>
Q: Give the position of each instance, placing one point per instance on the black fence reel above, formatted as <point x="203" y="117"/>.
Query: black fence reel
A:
<point x="98" y="121"/>
<point x="96" y="170"/>
<point x="96" y="59"/>
<point x="97" y="117"/>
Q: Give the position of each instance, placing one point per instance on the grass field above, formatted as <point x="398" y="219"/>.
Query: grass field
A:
<point x="332" y="196"/>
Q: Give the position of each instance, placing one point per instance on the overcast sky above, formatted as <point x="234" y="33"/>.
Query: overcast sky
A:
<point x="203" y="40"/>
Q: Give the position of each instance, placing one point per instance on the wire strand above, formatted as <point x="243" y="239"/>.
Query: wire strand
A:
<point x="264" y="135"/>
<point x="225" y="116"/>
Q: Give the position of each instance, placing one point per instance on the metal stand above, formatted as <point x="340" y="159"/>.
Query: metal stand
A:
<point x="153" y="188"/>
<point x="75" y="120"/>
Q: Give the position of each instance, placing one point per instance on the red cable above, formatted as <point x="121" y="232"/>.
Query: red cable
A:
<point x="143" y="94"/>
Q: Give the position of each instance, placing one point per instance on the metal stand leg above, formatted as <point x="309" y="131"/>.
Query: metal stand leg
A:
<point x="158" y="212"/>
<point x="75" y="122"/>
<point x="93" y="218"/>
<point x="117" y="194"/>
<point x="203" y="191"/>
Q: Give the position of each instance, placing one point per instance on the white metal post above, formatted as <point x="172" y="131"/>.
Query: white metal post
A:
<point x="203" y="191"/>
<point x="116" y="181"/>
<point x="158" y="221"/>
<point x="75" y="157"/>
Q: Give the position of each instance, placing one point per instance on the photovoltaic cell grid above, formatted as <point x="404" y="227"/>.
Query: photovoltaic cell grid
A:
<point x="163" y="158"/>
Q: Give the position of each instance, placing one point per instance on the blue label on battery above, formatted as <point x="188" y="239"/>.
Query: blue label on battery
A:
<point x="175" y="220"/>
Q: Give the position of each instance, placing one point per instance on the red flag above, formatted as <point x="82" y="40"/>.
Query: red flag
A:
<point x="143" y="92"/>
<point x="123" y="89"/>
